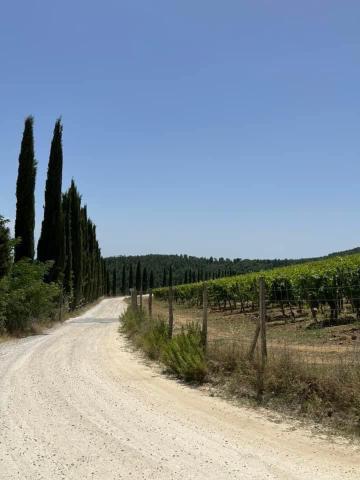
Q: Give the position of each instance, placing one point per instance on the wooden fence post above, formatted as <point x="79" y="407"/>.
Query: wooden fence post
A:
<point x="254" y="342"/>
<point x="262" y="334"/>
<point x="150" y="302"/>
<point x="262" y="317"/>
<point x="205" y="317"/>
<point x="171" y="312"/>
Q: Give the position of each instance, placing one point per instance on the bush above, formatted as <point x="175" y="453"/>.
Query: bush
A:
<point x="132" y="321"/>
<point x="184" y="355"/>
<point x="154" y="338"/>
<point x="150" y="335"/>
<point x="25" y="297"/>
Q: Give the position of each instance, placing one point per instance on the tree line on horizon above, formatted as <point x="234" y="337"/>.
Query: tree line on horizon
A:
<point x="185" y="268"/>
<point x="68" y="264"/>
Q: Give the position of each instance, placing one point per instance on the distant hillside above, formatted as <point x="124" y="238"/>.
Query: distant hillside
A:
<point x="187" y="269"/>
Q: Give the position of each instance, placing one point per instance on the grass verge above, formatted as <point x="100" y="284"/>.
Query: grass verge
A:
<point x="326" y="392"/>
<point x="182" y="355"/>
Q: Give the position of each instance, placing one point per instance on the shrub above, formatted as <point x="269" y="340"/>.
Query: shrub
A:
<point x="150" y="335"/>
<point x="26" y="297"/>
<point x="131" y="321"/>
<point x="154" y="338"/>
<point x="184" y="355"/>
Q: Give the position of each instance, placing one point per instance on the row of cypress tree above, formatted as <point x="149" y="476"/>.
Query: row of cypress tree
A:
<point x="68" y="236"/>
<point x="143" y="280"/>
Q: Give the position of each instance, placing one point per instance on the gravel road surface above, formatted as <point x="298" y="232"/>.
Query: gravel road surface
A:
<point x="77" y="403"/>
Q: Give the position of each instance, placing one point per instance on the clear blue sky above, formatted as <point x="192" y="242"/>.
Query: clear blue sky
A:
<point x="226" y="128"/>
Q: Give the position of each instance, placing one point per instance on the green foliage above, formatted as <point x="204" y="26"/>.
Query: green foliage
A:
<point x="5" y="247"/>
<point x="4" y="288"/>
<point x="188" y="269"/>
<point x="184" y="355"/>
<point x="145" y="280"/>
<point x="138" y="277"/>
<point x="323" y="281"/>
<point x="26" y="298"/>
<point x="25" y="199"/>
<point x="114" y="283"/>
<point x="51" y="243"/>
<point x="76" y="244"/>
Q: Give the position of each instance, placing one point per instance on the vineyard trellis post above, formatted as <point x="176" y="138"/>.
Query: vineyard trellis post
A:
<point x="171" y="312"/>
<point x="150" y="302"/>
<point x="262" y="318"/>
<point x="205" y="317"/>
<point x="262" y="335"/>
<point x="260" y="330"/>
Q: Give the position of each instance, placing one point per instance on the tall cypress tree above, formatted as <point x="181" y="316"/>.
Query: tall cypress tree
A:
<point x="68" y="269"/>
<point x="151" y="280"/>
<point x="76" y="245"/>
<point x="51" y="242"/>
<point x="131" y="277"/>
<point x="5" y="248"/>
<point x="138" y="277"/>
<point x="25" y="199"/>
<point x="123" y="280"/>
<point x="170" y="277"/>
<point x="114" y="283"/>
<point x="108" y="284"/>
<point x="145" y="280"/>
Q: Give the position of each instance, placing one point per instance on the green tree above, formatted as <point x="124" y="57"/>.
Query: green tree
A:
<point x="123" y="280"/>
<point x="25" y="199"/>
<point x="151" y="281"/>
<point x="145" y="280"/>
<point x="68" y="270"/>
<point x="164" y="280"/>
<point x="76" y="245"/>
<point x="5" y="247"/>
<point x="131" y="277"/>
<point x="51" y="242"/>
<point x="170" y="276"/>
<point x="138" y="277"/>
<point x="114" y="285"/>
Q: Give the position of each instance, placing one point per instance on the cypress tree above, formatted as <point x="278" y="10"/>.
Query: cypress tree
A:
<point x="114" y="286"/>
<point x="186" y="277"/>
<point x="123" y="280"/>
<point x="138" y="277"/>
<point x="87" y="273"/>
<point x="68" y="273"/>
<point x="170" y="277"/>
<point x="25" y="199"/>
<point x="51" y="242"/>
<point x="5" y="247"/>
<point x="145" y="280"/>
<point x="108" y="284"/>
<point x="131" y="277"/>
<point x="164" y="278"/>
<point x="151" y="280"/>
<point x="76" y="245"/>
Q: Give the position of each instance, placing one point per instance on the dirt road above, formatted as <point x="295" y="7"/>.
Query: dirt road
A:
<point x="78" y="404"/>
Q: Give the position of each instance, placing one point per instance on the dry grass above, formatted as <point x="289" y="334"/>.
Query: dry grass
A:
<point x="313" y="373"/>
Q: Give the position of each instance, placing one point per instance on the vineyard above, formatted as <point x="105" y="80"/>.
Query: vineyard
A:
<point x="312" y="335"/>
<point x="328" y="290"/>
